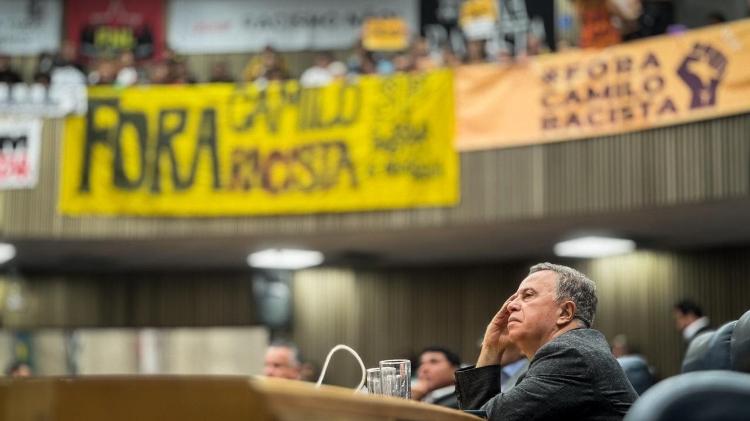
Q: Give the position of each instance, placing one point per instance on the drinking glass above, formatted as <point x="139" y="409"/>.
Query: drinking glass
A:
<point x="374" y="384"/>
<point x="395" y="378"/>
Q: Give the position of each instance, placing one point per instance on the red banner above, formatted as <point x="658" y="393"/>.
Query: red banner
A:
<point x="104" y="28"/>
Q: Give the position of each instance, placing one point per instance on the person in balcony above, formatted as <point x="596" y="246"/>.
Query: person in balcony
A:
<point x="7" y="74"/>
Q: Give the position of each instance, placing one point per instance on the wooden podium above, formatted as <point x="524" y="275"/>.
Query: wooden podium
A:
<point x="166" y="398"/>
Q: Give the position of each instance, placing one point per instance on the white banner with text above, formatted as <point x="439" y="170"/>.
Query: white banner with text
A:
<point x="233" y="26"/>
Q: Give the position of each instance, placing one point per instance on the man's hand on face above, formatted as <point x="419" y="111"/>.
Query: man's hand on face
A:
<point x="496" y="337"/>
<point x="419" y="389"/>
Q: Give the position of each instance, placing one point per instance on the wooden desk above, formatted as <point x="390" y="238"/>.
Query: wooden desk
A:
<point x="165" y="398"/>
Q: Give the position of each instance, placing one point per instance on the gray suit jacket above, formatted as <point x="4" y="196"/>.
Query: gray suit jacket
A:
<point x="572" y="377"/>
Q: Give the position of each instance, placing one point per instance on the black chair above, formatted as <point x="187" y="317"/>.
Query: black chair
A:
<point x="718" y="354"/>
<point x="740" y="344"/>
<point x="637" y="371"/>
<point x="694" y="357"/>
<point x="700" y="396"/>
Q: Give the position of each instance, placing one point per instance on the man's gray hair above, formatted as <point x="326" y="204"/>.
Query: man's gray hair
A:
<point x="281" y="343"/>
<point x="574" y="286"/>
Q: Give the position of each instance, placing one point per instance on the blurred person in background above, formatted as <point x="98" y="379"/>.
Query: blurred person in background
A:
<point x="689" y="320"/>
<point x="403" y="63"/>
<point x="68" y="57"/>
<point x="626" y="15"/>
<point x="168" y="55"/>
<point x="104" y="73"/>
<point x="127" y="75"/>
<point x="160" y="73"/>
<point x="450" y="58"/>
<point x="436" y="382"/>
<point x="266" y="66"/>
<point x="282" y="360"/>
<point x="324" y="71"/>
<point x="656" y="17"/>
<point x="643" y="18"/>
<point x="45" y="62"/>
<point x="7" y="74"/>
<point x="384" y="63"/>
<point x="361" y="61"/>
<point x="476" y="51"/>
<point x="181" y="73"/>
<point x="423" y="59"/>
<point x="513" y="365"/>
<point x="572" y="373"/>
<point x="42" y="78"/>
<point x="220" y="73"/>
<point x="635" y="365"/>
<point x="18" y="369"/>
<point x="597" y="24"/>
<point x="66" y="68"/>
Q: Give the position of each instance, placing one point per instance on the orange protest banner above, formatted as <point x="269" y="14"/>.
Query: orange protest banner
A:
<point x="656" y="82"/>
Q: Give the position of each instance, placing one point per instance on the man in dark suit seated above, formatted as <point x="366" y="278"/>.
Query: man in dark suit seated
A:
<point x="689" y="320"/>
<point x="572" y="373"/>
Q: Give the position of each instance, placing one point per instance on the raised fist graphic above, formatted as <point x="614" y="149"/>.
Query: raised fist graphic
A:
<point x="702" y="70"/>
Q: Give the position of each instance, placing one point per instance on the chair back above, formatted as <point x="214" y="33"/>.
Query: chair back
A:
<point x="719" y="348"/>
<point x="740" y="344"/>
<point x="694" y="357"/>
<point x="700" y="396"/>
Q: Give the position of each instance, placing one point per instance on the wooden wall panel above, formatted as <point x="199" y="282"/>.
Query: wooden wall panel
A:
<point x="130" y="300"/>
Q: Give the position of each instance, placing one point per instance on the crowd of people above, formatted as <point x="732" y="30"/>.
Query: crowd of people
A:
<point x="600" y="24"/>
<point x="267" y="66"/>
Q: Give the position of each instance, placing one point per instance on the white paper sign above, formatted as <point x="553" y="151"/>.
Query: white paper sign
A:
<point x="29" y="27"/>
<point x="231" y="26"/>
<point x="20" y="147"/>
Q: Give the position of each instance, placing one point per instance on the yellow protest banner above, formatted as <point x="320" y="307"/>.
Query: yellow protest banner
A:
<point x="385" y="34"/>
<point x="210" y="150"/>
<point x="656" y="82"/>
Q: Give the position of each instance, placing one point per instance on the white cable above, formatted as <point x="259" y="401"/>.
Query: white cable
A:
<point x="328" y="359"/>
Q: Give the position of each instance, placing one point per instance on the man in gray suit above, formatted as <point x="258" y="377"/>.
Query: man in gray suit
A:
<point x="572" y="373"/>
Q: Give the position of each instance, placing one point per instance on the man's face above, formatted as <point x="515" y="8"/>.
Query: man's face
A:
<point x="534" y="311"/>
<point x="22" y="371"/>
<point x="682" y="320"/>
<point x="435" y="370"/>
<point x="279" y="363"/>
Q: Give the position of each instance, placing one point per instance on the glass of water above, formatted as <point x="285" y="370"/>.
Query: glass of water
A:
<point x="374" y="385"/>
<point x="395" y="378"/>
